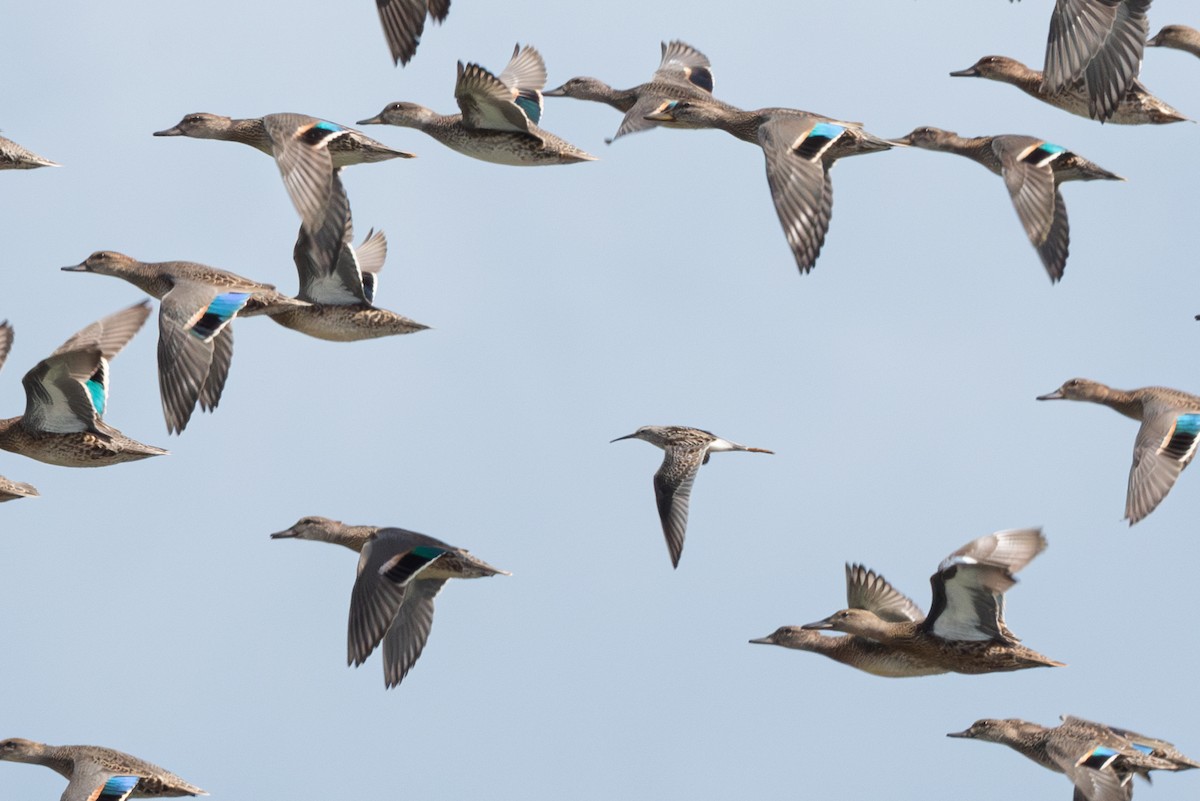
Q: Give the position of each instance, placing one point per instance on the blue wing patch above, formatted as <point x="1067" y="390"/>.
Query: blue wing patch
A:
<point x="96" y="390"/>
<point x="819" y="138"/>
<point x="402" y="568"/>
<point x="530" y="102"/>
<point x="219" y="312"/>
<point x="1182" y="440"/>
<point x="1098" y="758"/>
<point x="117" y="788"/>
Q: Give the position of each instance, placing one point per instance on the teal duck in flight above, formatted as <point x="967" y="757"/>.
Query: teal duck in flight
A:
<point x="308" y="151"/>
<point x="1137" y="107"/>
<point x="195" y="338"/>
<point x="1100" y="43"/>
<point x="499" y="119"/>
<point x="1166" y="441"/>
<point x="964" y="631"/>
<point x="400" y="572"/>
<point x="1032" y="170"/>
<point x="799" y="147"/>
<point x="95" y="773"/>
<point x="66" y="396"/>
<point x="683" y="73"/>
<point x="1100" y="760"/>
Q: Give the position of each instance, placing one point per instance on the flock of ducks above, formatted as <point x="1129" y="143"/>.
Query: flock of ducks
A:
<point x="1092" y="60"/>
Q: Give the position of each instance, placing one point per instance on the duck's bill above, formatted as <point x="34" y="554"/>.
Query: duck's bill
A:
<point x="969" y="72"/>
<point x="283" y="535"/>
<point x="763" y="641"/>
<point x="170" y="132"/>
<point x="820" y="625"/>
<point x="74" y="268"/>
<point x="1055" y="395"/>
<point x="370" y="121"/>
<point x="559" y="92"/>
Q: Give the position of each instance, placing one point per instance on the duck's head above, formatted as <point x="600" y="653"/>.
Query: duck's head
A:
<point x="310" y="528"/>
<point x="851" y="621"/>
<point x="17" y="749"/>
<point x="582" y="88"/>
<point x="199" y="126"/>
<point x="996" y="731"/>
<point x="1076" y="389"/>
<point x="1172" y="36"/>
<point x="927" y="137"/>
<point x="406" y="115"/>
<point x="996" y="68"/>
<point x="686" y="114"/>
<point x="103" y="262"/>
<point x="796" y="637"/>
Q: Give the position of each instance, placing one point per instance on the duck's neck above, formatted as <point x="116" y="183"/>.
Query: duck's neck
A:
<point x="620" y="99"/>
<point x="742" y="124"/>
<point x="145" y="277"/>
<point x="1189" y="41"/>
<point x="353" y="537"/>
<point x="55" y="757"/>
<point x="1127" y="403"/>
<point x="1026" y="79"/>
<point x="8" y="433"/>
<point x="249" y="132"/>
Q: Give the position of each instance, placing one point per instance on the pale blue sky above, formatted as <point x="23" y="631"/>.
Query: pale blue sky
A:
<point x="146" y="609"/>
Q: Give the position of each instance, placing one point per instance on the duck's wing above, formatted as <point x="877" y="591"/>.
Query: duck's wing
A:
<point x="91" y="782"/>
<point x="673" y="489"/>
<point x="11" y="490"/>
<point x="406" y="638"/>
<point x="487" y="102"/>
<point x="371" y="255"/>
<point x="800" y="184"/>
<point x="191" y="363"/>
<point x="300" y="147"/>
<point x="387" y="567"/>
<point x="1100" y="41"/>
<point x="404" y="21"/>
<point x="969" y="585"/>
<point x="1084" y="768"/>
<point x="525" y="76"/>
<point x="218" y="370"/>
<point x="330" y="272"/>
<point x="1026" y="165"/>
<point x="1165" y="444"/>
<point x="68" y="391"/>
<point x="6" y="340"/>
<point x="682" y="62"/>
<point x="866" y="589"/>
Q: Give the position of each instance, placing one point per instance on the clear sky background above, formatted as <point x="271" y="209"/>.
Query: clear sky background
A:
<point x="146" y="609"/>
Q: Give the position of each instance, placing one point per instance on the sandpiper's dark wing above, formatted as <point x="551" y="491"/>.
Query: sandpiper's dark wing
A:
<point x="969" y="585"/>
<point x="672" y="489"/>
